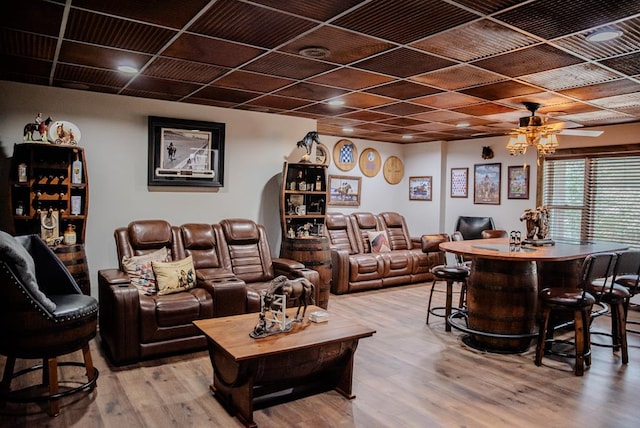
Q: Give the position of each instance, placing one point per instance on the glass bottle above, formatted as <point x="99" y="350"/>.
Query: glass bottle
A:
<point x="318" y="184"/>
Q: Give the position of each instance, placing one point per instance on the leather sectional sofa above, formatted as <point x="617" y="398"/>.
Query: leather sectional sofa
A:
<point x="355" y="267"/>
<point x="233" y="265"/>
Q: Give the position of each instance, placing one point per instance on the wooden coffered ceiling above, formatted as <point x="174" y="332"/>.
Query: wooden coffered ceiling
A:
<point x="432" y="69"/>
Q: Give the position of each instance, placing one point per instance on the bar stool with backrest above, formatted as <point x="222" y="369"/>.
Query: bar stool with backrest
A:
<point x="443" y="272"/>
<point x="616" y="296"/>
<point x="627" y="274"/>
<point x="494" y="233"/>
<point x="576" y="300"/>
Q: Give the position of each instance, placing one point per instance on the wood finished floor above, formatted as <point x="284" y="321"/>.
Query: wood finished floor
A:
<point x="407" y="375"/>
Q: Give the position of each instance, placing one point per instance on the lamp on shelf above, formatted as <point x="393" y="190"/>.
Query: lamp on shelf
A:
<point x="533" y="131"/>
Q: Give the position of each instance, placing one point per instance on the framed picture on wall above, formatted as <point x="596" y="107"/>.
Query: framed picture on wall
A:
<point x="420" y="188"/>
<point x="518" y="182"/>
<point x="185" y="153"/>
<point x="486" y="183"/>
<point x="459" y="182"/>
<point x="344" y="190"/>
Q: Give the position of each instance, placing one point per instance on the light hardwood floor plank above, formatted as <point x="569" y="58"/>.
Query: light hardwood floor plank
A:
<point x="408" y="374"/>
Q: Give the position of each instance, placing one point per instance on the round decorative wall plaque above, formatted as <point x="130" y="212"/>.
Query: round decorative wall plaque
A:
<point x="370" y="162"/>
<point x="323" y="157"/>
<point x="345" y="155"/>
<point x="393" y="170"/>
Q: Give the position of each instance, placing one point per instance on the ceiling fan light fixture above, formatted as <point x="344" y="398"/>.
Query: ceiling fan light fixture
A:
<point x="533" y="131"/>
<point x="604" y="35"/>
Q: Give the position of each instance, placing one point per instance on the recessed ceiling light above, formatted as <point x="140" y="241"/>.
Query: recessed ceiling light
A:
<point x="407" y="137"/>
<point x="316" y="52"/>
<point x="127" y="69"/>
<point x="462" y="125"/>
<point x="347" y="129"/>
<point x="336" y="103"/>
<point x="603" y="36"/>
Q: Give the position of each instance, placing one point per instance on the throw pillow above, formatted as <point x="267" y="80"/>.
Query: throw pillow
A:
<point x="174" y="277"/>
<point x="140" y="270"/>
<point x="379" y="242"/>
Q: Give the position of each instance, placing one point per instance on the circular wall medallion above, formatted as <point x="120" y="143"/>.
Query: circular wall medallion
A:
<point x="393" y="170"/>
<point x="345" y="155"/>
<point x="323" y="157"/>
<point x="370" y="162"/>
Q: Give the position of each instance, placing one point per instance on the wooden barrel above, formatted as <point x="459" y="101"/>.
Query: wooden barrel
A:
<point x="501" y="299"/>
<point x="75" y="260"/>
<point x="315" y="254"/>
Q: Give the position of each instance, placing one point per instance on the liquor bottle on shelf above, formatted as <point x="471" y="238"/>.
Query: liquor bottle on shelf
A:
<point x="319" y="185"/>
<point x="76" y="171"/>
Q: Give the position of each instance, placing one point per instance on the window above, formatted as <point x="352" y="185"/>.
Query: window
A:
<point x="594" y="197"/>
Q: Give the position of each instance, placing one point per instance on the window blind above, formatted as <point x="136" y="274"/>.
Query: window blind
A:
<point x="594" y="198"/>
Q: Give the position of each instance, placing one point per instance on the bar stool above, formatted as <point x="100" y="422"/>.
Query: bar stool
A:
<point x="627" y="275"/>
<point x="494" y="233"/>
<point x="448" y="273"/>
<point x="617" y="297"/>
<point x="580" y="302"/>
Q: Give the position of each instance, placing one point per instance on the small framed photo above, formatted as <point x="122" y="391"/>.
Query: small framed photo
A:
<point x="486" y="183"/>
<point x="518" y="182"/>
<point x="344" y="190"/>
<point x="185" y="153"/>
<point x="459" y="182"/>
<point x="420" y="188"/>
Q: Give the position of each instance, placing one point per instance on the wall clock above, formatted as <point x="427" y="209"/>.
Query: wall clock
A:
<point x="370" y="162"/>
<point x="393" y="170"/>
<point x="345" y="155"/>
<point x="323" y="157"/>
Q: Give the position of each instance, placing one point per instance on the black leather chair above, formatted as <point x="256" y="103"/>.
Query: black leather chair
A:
<point x="43" y="315"/>
<point x="472" y="227"/>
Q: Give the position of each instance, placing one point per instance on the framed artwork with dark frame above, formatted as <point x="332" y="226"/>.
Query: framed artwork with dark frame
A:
<point x="185" y="153"/>
<point x="459" y="182"/>
<point x="486" y="183"/>
<point x="420" y="188"/>
<point x="518" y="182"/>
<point x="344" y="190"/>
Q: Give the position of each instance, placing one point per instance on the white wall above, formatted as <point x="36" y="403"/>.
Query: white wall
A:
<point x="114" y="136"/>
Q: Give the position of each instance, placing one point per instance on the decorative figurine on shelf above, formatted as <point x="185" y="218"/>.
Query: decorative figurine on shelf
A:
<point x="42" y="126"/>
<point x="274" y="301"/>
<point x="537" y="222"/>
<point x="307" y="143"/>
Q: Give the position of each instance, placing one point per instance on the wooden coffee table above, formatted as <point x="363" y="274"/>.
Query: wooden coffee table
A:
<point x="311" y="354"/>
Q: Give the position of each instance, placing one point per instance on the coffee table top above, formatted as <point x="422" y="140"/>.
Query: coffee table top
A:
<point x="231" y="334"/>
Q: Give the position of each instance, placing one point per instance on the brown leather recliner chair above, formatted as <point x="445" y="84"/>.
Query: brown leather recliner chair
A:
<point x="134" y="326"/>
<point x="246" y="253"/>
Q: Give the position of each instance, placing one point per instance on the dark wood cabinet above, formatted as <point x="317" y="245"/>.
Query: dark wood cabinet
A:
<point x="303" y="200"/>
<point x="49" y="194"/>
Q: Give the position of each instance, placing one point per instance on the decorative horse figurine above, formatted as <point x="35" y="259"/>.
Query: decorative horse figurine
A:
<point x="300" y="288"/>
<point x="39" y="125"/>
<point x="307" y="143"/>
<point x="537" y="222"/>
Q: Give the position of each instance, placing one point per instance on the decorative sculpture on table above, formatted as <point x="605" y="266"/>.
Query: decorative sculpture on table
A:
<point x="274" y="301"/>
<point x="307" y="143"/>
<point x="537" y="222"/>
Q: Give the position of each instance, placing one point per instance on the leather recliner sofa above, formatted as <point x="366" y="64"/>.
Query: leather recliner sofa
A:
<point x="233" y="265"/>
<point x="355" y="267"/>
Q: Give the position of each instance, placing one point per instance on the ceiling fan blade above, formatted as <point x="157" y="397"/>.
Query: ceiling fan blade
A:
<point x="581" y="132"/>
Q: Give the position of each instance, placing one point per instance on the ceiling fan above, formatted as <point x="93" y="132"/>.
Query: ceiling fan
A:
<point x="533" y="122"/>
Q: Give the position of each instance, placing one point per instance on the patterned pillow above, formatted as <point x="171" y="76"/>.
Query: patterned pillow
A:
<point x="140" y="270"/>
<point x="379" y="242"/>
<point x="174" y="277"/>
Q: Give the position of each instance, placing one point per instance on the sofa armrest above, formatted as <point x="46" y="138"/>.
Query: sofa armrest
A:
<point x="339" y="271"/>
<point x="119" y="316"/>
<point x="416" y="242"/>
<point x="228" y="292"/>
<point x="286" y="265"/>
